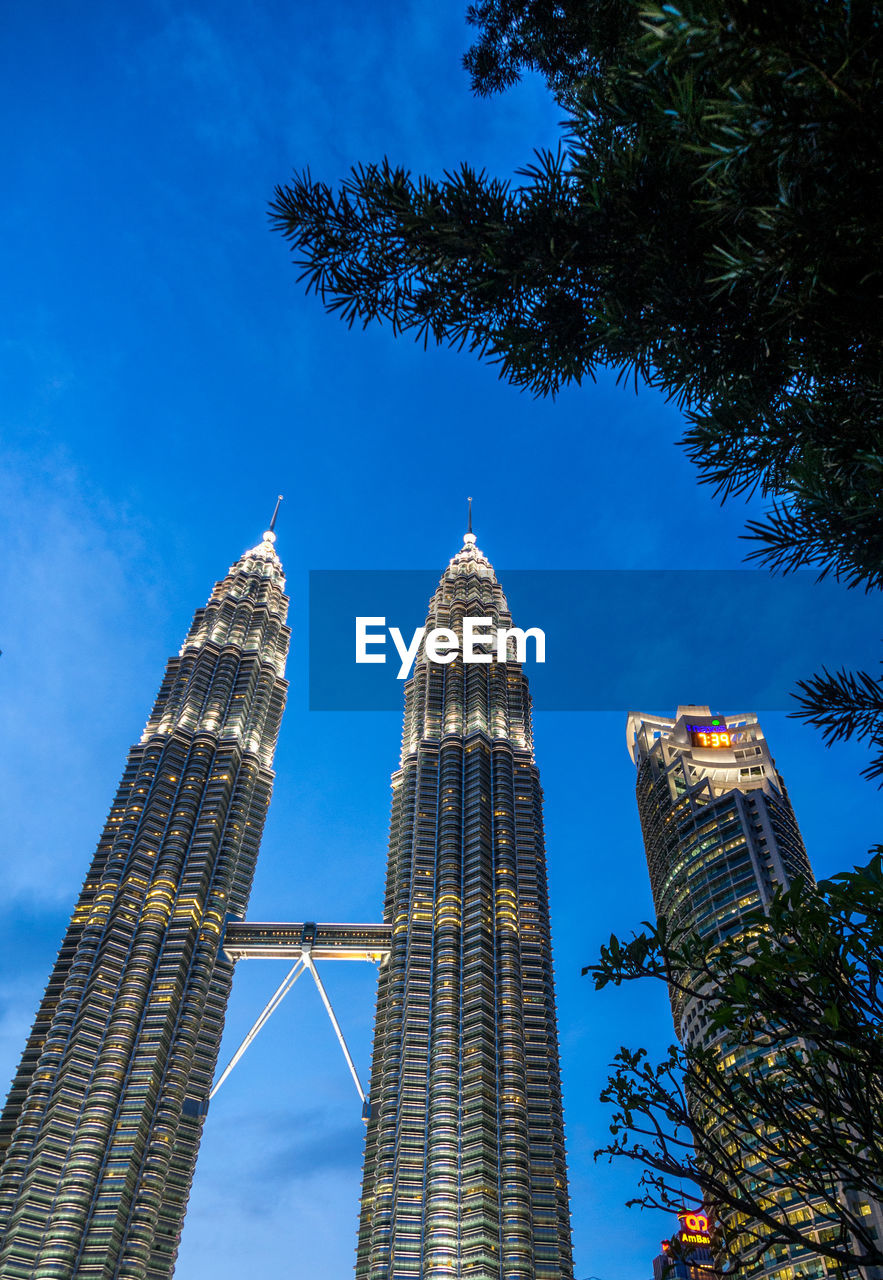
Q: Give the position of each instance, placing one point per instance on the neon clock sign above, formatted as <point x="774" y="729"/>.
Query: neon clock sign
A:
<point x="714" y="735"/>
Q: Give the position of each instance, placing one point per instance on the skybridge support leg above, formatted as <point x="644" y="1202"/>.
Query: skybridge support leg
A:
<point x="299" y="967"/>
<point x="303" y="962"/>
<point x="308" y="959"/>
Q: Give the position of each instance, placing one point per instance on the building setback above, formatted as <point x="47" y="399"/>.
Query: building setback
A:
<point x="721" y="837"/>
<point x="99" y="1137"/>
<point x="465" y="1169"/>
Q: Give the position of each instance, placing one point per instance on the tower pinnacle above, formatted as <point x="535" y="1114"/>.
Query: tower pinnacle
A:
<point x="469" y="536"/>
<point x="269" y="535"/>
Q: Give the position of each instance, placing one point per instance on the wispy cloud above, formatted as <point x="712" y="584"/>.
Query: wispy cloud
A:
<point x="65" y="578"/>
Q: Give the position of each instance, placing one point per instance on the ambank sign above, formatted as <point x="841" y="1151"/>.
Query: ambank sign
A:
<point x="695" y="1228"/>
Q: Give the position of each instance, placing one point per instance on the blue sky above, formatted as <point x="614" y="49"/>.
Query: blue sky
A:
<point x="163" y="378"/>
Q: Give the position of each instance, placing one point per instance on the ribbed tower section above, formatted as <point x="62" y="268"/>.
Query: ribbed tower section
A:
<point x="99" y="1137"/>
<point x="465" y="1170"/>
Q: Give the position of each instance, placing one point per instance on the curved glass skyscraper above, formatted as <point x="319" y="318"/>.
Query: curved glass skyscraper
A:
<point x="719" y="831"/>
<point x="465" y="1169"/>
<point x="720" y="837"/>
<point x="99" y="1138"/>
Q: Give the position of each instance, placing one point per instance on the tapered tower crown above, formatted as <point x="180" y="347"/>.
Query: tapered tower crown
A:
<point x="454" y="698"/>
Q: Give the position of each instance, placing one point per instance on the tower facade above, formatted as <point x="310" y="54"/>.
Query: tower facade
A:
<point x="719" y="831"/>
<point x="99" y="1137"/>
<point x="721" y="837"/>
<point x="465" y="1170"/>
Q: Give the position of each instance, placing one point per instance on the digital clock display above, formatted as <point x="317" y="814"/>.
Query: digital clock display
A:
<point x="714" y="735"/>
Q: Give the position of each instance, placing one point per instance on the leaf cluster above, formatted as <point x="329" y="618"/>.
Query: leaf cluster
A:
<point x="711" y="224"/>
<point x="845" y="704"/>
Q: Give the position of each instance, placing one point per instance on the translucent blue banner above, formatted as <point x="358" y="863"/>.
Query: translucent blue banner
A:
<point x="615" y="640"/>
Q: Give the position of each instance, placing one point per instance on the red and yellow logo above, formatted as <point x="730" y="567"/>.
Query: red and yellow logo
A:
<point x="695" y="1228"/>
<point x="695" y="1222"/>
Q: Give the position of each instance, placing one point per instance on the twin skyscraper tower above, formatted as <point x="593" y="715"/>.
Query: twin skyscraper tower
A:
<point x="465" y="1168"/>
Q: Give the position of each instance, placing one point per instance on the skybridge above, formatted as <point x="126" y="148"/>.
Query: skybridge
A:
<point x="305" y="943"/>
<point x="326" y="941"/>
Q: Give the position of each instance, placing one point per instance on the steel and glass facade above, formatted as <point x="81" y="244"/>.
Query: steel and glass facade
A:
<point x="465" y="1170"/>
<point x="721" y="837"/>
<point x="99" y="1137"/>
<point x="719" y="831"/>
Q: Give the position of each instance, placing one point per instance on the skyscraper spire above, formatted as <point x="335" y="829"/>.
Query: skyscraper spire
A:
<point x="275" y="513"/>
<point x="469" y="536"/>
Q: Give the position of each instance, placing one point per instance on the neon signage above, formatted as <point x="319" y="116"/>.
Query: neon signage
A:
<point x="695" y="1222"/>
<point x="695" y="1229"/>
<point x="714" y="736"/>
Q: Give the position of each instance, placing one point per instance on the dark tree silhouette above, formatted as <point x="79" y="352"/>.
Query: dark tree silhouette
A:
<point x="711" y="224"/>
